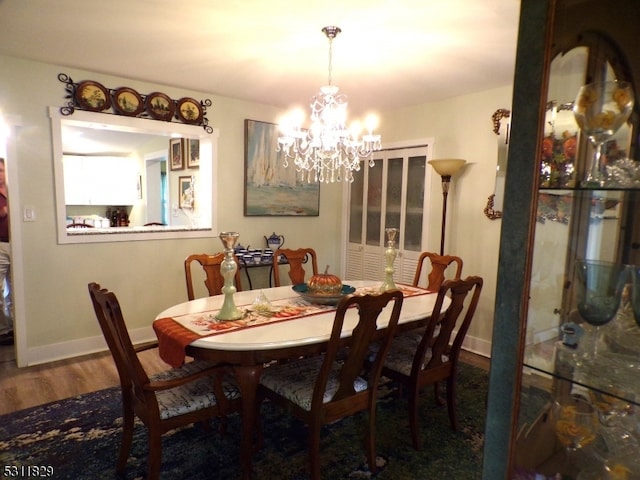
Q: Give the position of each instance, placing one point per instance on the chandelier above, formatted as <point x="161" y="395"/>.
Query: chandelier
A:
<point x="328" y="151"/>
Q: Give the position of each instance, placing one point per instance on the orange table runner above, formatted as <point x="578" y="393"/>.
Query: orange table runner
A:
<point x="174" y="334"/>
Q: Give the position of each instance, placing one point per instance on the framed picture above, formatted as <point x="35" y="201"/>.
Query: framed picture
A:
<point x="186" y="193"/>
<point x="192" y="152"/>
<point x="126" y="101"/>
<point x="176" y="153"/>
<point x="270" y="188"/>
<point x="92" y="96"/>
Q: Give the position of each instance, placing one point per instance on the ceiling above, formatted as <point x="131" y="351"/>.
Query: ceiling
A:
<point x="390" y="54"/>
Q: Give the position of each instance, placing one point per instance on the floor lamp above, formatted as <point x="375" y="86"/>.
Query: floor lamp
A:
<point x="446" y="168"/>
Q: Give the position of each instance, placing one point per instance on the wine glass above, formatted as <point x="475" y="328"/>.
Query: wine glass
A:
<point x="598" y="293"/>
<point x="600" y="110"/>
<point x="574" y="422"/>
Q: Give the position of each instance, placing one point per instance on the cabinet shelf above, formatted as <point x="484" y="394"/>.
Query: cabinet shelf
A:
<point x="586" y="383"/>
<point x="588" y="189"/>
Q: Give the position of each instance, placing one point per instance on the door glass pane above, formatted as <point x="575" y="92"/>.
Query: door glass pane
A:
<point x="394" y="196"/>
<point x="355" y="206"/>
<point x="374" y="204"/>
<point x="415" y="199"/>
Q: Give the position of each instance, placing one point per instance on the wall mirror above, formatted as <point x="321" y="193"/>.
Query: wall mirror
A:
<point x="125" y="178"/>
<point x="501" y="127"/>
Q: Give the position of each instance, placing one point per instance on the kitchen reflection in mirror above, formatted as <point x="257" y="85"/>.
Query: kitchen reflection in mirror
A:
<point x="115" y="175"/>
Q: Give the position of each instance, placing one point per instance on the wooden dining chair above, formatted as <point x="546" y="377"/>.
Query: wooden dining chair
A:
<point x="322" y="389"/>
<point x="417" y="361"/>
<point x="214" y="281"/>
<point x="439" y="265"/>
<point x="297" y="259"/>
<point x="174" y="398"/>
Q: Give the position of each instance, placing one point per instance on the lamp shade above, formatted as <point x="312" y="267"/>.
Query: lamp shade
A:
<point x="447" y="166"/>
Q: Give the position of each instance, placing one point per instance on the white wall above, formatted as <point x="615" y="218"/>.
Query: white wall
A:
<point x="462" y="128"/>
<point x="54" y="315"/>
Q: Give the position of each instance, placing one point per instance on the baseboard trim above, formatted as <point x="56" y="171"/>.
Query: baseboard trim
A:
<point x="477" y="345"/>
<point x="83" y="346"/>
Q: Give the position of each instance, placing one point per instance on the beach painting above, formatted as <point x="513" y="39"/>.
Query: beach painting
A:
<point x="270" y="188"/>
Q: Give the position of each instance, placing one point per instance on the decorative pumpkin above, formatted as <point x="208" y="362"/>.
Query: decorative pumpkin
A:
<point x="325" y="284"/>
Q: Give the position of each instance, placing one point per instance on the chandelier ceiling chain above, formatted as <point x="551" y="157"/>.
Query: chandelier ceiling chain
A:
<point x="327" y="151"/>
<point x="331" y="33"/>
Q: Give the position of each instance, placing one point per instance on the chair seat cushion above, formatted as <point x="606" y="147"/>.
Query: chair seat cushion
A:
<point x="192" y="396"/>
<point x="296" y="380"/>
<point x="403" y="349"/>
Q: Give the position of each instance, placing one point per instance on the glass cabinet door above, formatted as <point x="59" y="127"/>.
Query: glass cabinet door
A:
<point x="414" y="217"/>
<point x="393" y="197"/>
<point x="391" y="194"/>
<point x="374" y="203"/>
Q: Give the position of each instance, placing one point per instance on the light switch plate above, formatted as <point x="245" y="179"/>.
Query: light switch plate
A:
<point x="29" y="214"/>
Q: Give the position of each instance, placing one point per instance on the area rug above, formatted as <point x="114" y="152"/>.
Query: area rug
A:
<point x="79" y="439"/>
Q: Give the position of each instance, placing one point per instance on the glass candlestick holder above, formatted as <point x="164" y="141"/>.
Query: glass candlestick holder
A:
<point x="390" y="256"/>
<point x="228" y="269"/>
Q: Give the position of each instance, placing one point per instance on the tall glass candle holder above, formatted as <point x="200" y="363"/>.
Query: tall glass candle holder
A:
<point x="390" y="256"/>
<point x="228" y="269"/>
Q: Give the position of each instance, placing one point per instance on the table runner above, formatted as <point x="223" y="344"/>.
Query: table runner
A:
<point x="175" y="333"/>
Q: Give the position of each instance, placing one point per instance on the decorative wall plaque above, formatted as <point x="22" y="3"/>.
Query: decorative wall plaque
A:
<point x="93" y="96"/>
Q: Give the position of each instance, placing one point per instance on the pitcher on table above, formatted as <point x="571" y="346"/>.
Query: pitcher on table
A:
<point x="274" y="242"/>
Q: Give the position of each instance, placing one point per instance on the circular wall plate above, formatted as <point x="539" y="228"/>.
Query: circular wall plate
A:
<point x="126" y="101"/>
<point x="189" y="111"/>
<point x="92" y="96"/>
<point x="159" y="106"/>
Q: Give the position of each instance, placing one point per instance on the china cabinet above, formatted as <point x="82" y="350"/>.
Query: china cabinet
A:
<point x="564" y="392"/>
<point x="390" y="194"/>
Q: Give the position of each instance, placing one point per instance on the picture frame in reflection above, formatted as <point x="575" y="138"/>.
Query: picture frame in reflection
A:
<point x="192" y="152"/>
<point x="176" y="153"/>
<point x="186" y="193"/>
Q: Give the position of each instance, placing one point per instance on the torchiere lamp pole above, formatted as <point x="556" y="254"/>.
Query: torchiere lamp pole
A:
<point x="446" y="168"/>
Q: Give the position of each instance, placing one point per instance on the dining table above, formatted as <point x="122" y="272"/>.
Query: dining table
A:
<point x="278" y="323"/>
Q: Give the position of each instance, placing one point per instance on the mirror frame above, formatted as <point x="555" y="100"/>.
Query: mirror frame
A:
<point x="208" y="148"/>
<point x="503" y="136"/>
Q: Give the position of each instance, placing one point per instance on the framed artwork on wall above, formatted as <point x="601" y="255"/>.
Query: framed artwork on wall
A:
<point x="186" y="193"/>
<point x="270" y="188"/>
<point x="176" y="153"/>
<point x="192" y="152"/>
